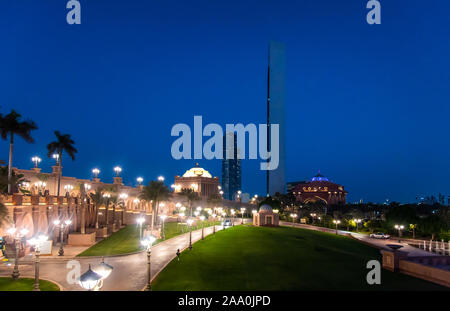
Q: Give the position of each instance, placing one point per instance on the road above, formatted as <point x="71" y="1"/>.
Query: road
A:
<point x="129" y="273"/>
<point x="412" y="251"/>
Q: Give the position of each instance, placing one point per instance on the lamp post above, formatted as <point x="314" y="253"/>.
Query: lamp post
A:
<point x="313" y="215"/>
<point x="140" y="180"/>
<point x="202" y="218"/>
<point x="36" y="161"/>
<point x="56" y="157"/>
<point x="104" y="270"/>
<point x="357" y="221"/>
<point x="399" y="228"/>
<point x="189" y="222"/>
<point x="95" y="171"/>
<point x="161" y="178"/>
<point x="117" y="169"/>
<point x="147" y="243"/>
<point x="163" y="218"/>
<point x="242" y="215"/>
<point x="89" y="280"/>
<point x="140" y="221"/>
<point x="61" y="225"/>
<point x="36" y="244"/>
<point x="214" y="223"/>
<point x="336" y="222"/>
<point x="232" y="214"/>
<point x="17" y="237"/>
<point x="293" y="216"/>
<point x="223" y="216"/>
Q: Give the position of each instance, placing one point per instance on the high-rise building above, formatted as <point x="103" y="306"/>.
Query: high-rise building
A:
<point x="231" y="167"/>
<point x="276" y="113"/>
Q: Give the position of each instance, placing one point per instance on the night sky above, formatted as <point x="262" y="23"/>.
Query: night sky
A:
<point x="368" y="105"/>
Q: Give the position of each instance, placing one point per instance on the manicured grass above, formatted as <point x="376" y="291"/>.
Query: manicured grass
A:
<point x="25" y="284"/>
<point x="259" y="258"/>
<point x="126" y="240"/>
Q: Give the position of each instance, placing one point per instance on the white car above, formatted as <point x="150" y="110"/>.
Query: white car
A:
<point x="227" y="223"/>
<point x="379" y="235"/>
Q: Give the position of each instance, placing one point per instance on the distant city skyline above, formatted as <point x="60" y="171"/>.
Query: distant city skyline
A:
<point x="365" y="104"/>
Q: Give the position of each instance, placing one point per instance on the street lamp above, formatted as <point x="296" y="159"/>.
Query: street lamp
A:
<point x="117" y="169"/>
<point x="232" y="214"/>
<point x="106" y="196"/>
<point x="223" y="216"/>
<point x="357" y="221"/>
<point x="36" y="244"/>
<point x="95" y="171"/>
<point x="140" y="221"/>
<point x="336" y="222"/>
<point x="140" y="180"/>
<point x="214" y="223"/>
<point x="189" y="222"/>
<point x="293" y="216"/>
<point x="242" y="215"/>
<point x="61" y="225"/>
<point x="313" y="215"/>
<point x="163" y="218"/>
<point x="56" y="157"/>
<point x="89" y="280"/>
<point x="399" y="228"/>
<point x="36" y="161"/>
<point x="17" y="237"/>
<point x="202" y="218"/>
<point x="161" y="178"/>
<point x="147" y="243"/>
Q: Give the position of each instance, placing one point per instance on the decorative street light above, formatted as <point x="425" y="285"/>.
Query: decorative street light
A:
<point x="336" y="222"/>
<point x="232" y="214"/>
<point x="117" y="169"/>
<point x="161" y="178"/>
<point x="89" y="280"/>
<point x="202" y="218"/>
<point x="189" y="222"/>
<point x="61" y="225"/>
<point x="357" y="221"/>
<point x="147" y="242"/>
<point x="56" y="157"/>
<point x="95" y="171"/>
<point x="242" y="215"/>
<point x="17" y="237"/>
<point x="294" y="217"/>
<point x="68" y="188"/>
<point x="106" y="196"/>
<point x="140" y="221"/>
<point x="36" y="244"/>
<point x="223" y="216"/>
<point x="399" y="228"/>
<point x="163" y="218"/>
<point x="140" y="180"/>
<point x="313" y="215"/>
<point x="36" y="161"/>
<point x="87" y="187"/>
<point x="104" y="270"/>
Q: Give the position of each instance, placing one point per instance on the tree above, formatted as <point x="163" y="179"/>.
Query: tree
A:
<point x="62" y="143"/>
<point x="155" y="192"/>
<point x="97" y="199"/>
<point x="15" y="181"/>
<point x="11" y="125"/>
<point x="413" y="227"/>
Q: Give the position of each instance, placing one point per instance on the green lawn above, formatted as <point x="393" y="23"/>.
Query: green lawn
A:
<point x="258" y="258"/>
<point x="126" y="240"/>
<point x="25" y="284"/>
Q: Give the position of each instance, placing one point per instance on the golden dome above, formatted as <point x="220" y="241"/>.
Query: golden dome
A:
<point x="197" y="172"/>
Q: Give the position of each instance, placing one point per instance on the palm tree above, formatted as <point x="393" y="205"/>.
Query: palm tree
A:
<point x="15" y="181"/>
<point x="155" y="192"/>
<point x="11" y="125"/>
<point x="97" y="199"/>
<point x="62" y="143"/>
<point x="191" y="196"/>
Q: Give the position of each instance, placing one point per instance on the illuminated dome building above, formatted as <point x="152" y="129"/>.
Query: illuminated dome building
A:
<point x="199" y="179"/>
<point x="319" y="188"/>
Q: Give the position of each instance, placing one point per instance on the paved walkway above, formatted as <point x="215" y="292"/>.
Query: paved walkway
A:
<point x="129" y="273"/>
<point x="412" y="251"/>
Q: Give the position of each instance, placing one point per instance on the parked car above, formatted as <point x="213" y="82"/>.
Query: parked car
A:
<point x="226" y="223"/>
<point x="380" y="235"/>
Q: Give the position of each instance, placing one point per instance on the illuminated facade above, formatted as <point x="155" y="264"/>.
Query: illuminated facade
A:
<point x="198" y="179"/>
<point x="319" y="188"/>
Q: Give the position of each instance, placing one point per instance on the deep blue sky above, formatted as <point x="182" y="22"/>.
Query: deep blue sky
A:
<point x="367" y="105"/>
